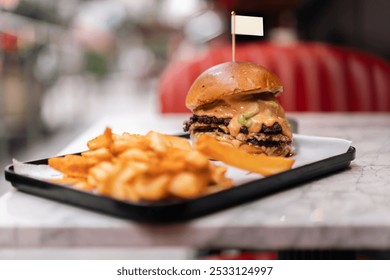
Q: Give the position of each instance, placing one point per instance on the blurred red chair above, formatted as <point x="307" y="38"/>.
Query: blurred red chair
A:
<point x="316" y="77"/>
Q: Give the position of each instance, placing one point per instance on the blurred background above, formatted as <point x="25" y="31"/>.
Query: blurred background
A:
<point x="67" y="63"/>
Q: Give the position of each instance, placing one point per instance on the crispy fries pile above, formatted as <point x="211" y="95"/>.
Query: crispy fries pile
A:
<point x="136" y="167"/>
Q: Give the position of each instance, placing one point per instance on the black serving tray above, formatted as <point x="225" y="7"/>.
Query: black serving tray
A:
<point x="174" y="211"/>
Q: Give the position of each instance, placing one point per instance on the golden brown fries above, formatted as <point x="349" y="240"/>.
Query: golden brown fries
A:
<point x="72" y="165"/>
<point x="102" y="141"/>
<point x="262" y="164"/>
<point x="135" y="167"/>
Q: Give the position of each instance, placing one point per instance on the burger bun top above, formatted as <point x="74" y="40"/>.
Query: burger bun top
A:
<point x="230" y="79"/>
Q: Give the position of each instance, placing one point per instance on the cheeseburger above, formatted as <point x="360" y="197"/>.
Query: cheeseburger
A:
<point x="236" y="103"/>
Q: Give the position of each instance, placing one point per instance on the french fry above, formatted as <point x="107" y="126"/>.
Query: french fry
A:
<point x="100" y="154"/>
<point x="77" y="183"/>
<point x="196" y="160"/>
<point x="261" y="164"/>
<point x="169" y="165"/>
<point x="171" y="161"/>
<point x="188" y="185"/>
<point x="157" y="142"/>
<point x="102" y="141"/>
<point x="217" y="173"/>
<point x="99" y="174"/>
<point x="127" y="141"/>
<point x="152" y="188"/>
<point x="72" y="165"/>
<point x="66" y="180"/>
<point x="83" y="185"/>
<point x="177" y="142"/>
<point x="134" y="155"/>
<point x="120" y="185"/>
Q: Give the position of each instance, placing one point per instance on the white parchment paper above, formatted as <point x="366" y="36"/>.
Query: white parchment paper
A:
<point x="38" y="171"/>
<point x="308" y="149"/>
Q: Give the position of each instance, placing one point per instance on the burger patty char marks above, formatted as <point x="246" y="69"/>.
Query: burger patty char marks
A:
<point x="273" y="129"/>
<point x="208" y="129"/>
<point x="205" y="120"/>
<point x="256" y="142"/>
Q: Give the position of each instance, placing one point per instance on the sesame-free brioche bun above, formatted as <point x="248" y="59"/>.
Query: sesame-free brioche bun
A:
<point x="284" y="149"/>
<point x="231" y="78"/>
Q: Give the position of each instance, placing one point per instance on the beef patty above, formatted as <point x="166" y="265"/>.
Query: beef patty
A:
<point x="268" y="136"/>
<point x="273" y="129"/>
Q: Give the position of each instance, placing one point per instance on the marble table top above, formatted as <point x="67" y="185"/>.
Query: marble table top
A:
<point x="349" y="209"/>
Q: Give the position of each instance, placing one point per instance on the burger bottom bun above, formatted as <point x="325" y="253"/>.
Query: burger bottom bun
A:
<point x="283" y="150"/>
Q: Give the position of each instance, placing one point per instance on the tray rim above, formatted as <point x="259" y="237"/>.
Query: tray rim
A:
<point x="269" y="185"/>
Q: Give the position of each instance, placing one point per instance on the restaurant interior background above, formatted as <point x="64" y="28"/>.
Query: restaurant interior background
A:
<point x="64" y="64"/>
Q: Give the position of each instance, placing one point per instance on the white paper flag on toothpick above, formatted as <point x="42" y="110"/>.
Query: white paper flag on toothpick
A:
<point x="246" y="25"/>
